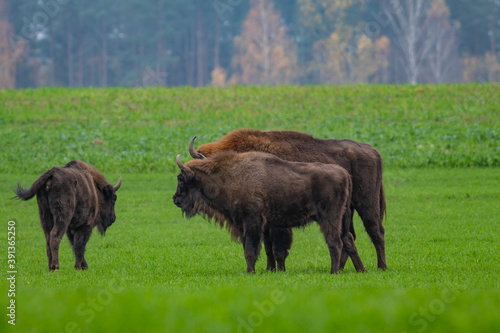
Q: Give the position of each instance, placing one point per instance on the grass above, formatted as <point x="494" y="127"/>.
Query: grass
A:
<point x="142" y="130"/>
<point x="156" y="271"/>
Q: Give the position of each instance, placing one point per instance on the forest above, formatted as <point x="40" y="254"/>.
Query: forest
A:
<point x="136" y="43"/>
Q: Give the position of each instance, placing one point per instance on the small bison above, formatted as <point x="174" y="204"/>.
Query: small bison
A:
<point x="72" y="199"/>
<point x="362" y="161"/>
<point x="253" y="191"/>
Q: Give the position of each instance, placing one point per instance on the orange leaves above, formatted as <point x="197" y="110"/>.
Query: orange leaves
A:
<point x="218" y="77"/>
<point x="11" y="52"/>
<point x="338" y="62"/>
<point x="264" y="54"/>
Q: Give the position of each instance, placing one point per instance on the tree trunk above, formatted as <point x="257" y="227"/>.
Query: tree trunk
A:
<point x="51" y="78"/>
<point x="217" y="42"/>
<point x="104" y="55"/>
<point x="494" y="19"/>
<point x="199" y="49"/>
<point x="80" y="57"/>
<point x="70" y="57"/>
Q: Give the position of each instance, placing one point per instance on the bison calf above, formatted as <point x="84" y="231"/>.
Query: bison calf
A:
<point x="252" y="191"/>
<point x="72" y="199"/>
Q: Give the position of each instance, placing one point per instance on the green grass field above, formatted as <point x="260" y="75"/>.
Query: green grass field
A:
<point x="156" y="271"/>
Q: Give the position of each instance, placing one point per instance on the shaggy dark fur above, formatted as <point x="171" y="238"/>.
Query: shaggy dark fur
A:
<point x="255" y="191"/>
<point x="362" y="161"/>
<point x="72" y="199"/>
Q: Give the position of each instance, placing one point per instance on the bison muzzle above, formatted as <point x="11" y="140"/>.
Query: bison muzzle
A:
<point x="253" y="191"/>
<point x="72" y="199"/>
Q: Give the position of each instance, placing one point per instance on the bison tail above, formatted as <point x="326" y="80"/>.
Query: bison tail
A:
<point x="383" y="212"/>
<point x="27" y="194"/>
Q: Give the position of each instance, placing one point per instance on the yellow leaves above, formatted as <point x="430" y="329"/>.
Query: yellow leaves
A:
<point x="383" y="45"/>
<point x="323" y="15"/>
<point x="485" y="68"/>
<point x="218" y="77"/>
<point x="338" y="62"/>
<point x="438" y="9"/>
<point x="264" y="54"/>
<point x="11" y="53"/>
<point x="364" y="44"/>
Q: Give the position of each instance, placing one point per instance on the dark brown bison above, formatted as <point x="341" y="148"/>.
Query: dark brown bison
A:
<point x="362" y="161"/>
<point x="72" y="199"/>
<point x="253" y="191"/>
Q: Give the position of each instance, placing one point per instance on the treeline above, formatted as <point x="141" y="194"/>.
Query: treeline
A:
<point x="223" y="42"/>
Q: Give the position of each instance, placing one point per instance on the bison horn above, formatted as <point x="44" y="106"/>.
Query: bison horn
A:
<point x="179" y="163"/>
<point x="117" y="186"/>
<point x="194" y="154"/>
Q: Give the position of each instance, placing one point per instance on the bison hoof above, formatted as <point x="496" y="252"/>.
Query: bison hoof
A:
<point x="80" y="267"/>
<point x="281" y="267"/>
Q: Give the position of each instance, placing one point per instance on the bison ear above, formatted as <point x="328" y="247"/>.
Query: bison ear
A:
<point x="108" y="191"/>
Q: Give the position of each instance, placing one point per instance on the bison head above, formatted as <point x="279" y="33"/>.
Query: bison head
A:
<point x="186" y="195"/>
<point x="107" y="205"/>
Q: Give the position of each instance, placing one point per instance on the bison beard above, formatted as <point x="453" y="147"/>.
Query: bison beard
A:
<point x="362" y="161"/>
<point x="254" y="192"/>
<point x="72" y="199"/>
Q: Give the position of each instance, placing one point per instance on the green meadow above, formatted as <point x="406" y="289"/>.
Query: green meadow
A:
<point x="156" y="271"/>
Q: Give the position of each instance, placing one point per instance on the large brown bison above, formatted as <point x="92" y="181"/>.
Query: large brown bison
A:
<point x="72" y="199"/>
<point x="253" y="191"/>
<point x="362" y="161"/>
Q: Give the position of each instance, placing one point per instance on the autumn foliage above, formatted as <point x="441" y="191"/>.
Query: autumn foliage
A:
<point x="336" y="61"/>
<point x="264" y="54"/>
<point x="11" y="53"/>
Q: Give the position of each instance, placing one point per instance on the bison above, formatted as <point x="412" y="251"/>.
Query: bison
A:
<point x="72" y="199"/>
<point x="252" y="191"/>
<point x="362" y="161"/>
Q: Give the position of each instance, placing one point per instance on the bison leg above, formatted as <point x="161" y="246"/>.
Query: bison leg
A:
<point x="347" y="222"/>
<point x="331" y="229"/>
<point x="268" y="246"/>
<point x="56" y="235"/>
<point x="82" y="236"/>
<point x="47" y="248"/>
<point x="282" y="242"/>
<point x="252" y="248"/>
<point x="350" y="248"/>
<point x="78" y="239"/>
<point x="343" y="258"/>
<point x="47" y="221"/>
<point x="373" y="225"/>
<point x="348" y="251"/>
